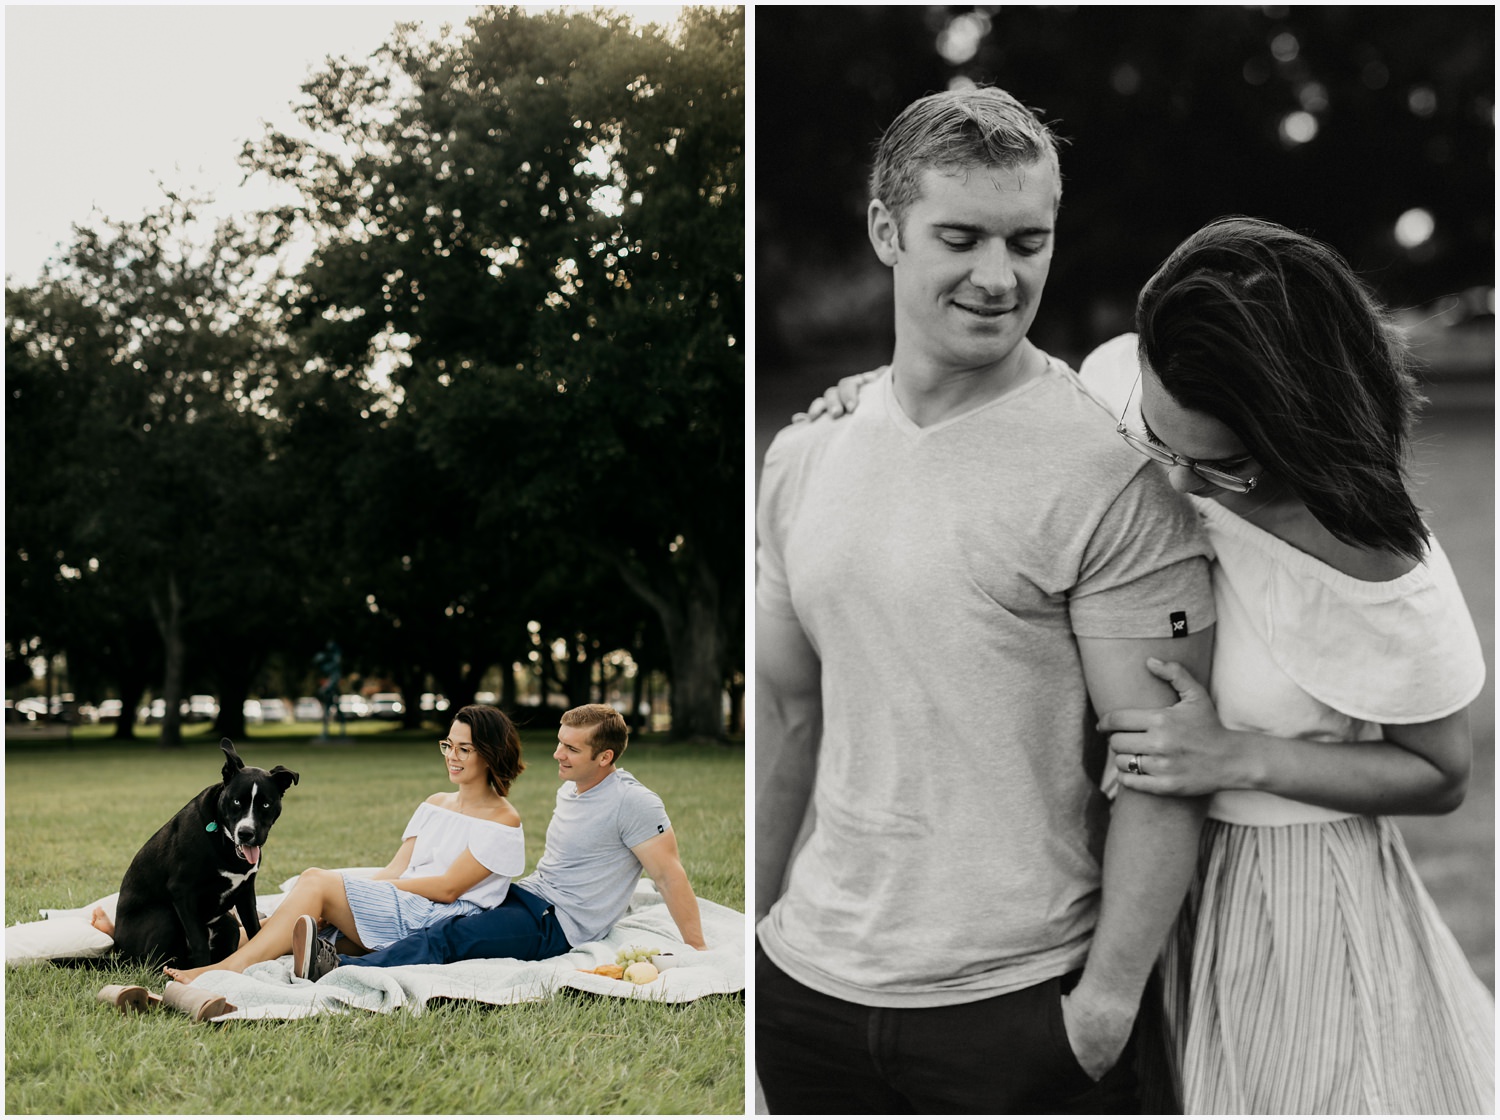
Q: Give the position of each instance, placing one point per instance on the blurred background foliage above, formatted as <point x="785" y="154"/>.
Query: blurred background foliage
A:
<point x="1370" y="127"/>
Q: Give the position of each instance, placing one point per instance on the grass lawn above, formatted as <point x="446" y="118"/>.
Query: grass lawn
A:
<point x="77" y="812"/>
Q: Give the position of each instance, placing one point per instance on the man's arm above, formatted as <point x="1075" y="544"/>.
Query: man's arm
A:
<point x="788" y="727"/>
<point x="1149" y="855"/>
<point x="659" y="857"/>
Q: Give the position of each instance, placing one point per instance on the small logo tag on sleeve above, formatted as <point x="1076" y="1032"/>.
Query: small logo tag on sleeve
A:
<point x="1179" y="624"/>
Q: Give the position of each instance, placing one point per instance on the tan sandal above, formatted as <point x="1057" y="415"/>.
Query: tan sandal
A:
<point x="129" y="997"/>
<point x="196" y="1003"/>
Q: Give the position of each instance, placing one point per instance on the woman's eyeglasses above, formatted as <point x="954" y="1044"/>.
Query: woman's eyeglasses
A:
<point x="459" y="751"/>
<point x="1148" y="446"/>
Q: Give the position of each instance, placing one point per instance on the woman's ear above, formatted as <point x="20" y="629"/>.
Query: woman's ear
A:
<point x="885" y="232"/>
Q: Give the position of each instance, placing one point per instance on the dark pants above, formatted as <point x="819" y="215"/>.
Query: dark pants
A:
<point x="523" y="927"/>
<point x="1005" y="1054"/>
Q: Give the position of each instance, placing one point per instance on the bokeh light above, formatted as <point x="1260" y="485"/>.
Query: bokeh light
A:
<point x="1285" y="46"/>
<point x="1298" y="128"/>
<point x="1125" y="78"/>
<point x="959" y="41"/>
<point x="1422" y="100"/>
<point x="1415" y="227"/>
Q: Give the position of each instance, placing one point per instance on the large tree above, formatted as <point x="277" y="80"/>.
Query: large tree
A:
<point x="136" y="461"/>
<point x="538" y="226"/>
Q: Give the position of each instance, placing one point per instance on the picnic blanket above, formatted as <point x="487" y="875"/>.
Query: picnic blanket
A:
<point x="269" y="990"/>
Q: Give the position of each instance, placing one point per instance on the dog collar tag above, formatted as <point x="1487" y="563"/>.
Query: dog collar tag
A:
<point x="211" y="826"/>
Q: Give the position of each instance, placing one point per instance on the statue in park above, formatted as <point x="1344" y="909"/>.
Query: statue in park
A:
<point x="329" y="664"/>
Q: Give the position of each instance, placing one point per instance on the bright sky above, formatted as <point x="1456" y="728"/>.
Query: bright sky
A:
<point x="104" y="102"/>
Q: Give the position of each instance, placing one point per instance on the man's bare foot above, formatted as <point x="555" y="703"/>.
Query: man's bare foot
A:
<point x="100" y="921"/>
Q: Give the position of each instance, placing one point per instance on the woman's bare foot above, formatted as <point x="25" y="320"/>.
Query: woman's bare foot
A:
<point x="100" y="921"/>
<point x="188" y="975"/>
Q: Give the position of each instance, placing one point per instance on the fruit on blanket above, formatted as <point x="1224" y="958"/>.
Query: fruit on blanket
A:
<point x="613" y="971"/>
<point x="641" y="972"/>
<point x="632" y="953"/>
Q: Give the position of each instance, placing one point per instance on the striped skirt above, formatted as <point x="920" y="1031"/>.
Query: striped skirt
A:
<point x="1310" y="972"/>
<point x="384" y="914"/>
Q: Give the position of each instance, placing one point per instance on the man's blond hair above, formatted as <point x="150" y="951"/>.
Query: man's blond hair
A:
<point x="610" y="731"/>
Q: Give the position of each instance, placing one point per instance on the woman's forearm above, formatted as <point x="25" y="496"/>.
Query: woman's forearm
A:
<point x="437" y="888"/>
<point x="1376" y="777"/>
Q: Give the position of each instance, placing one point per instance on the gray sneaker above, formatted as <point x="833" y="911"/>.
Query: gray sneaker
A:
<point x="312" y="957"/>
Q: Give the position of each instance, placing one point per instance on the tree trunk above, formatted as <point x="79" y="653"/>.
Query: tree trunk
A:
<point x="736" y="689"/>
<point x="637" y="694"/>
<point x="234" y="689"/>
<point x="460" y="688"/>
<point x="580" y="675"/>
<point x="508" y="695"/>
<point x="169" y="625"/>
<point x="131" y="692"/>
<point x="697" y="696"/>
<point x="690" y="622"/>
<point x="409" y="680"/>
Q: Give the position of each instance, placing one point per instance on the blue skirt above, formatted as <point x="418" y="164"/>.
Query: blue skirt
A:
<point x="384" y="914"/>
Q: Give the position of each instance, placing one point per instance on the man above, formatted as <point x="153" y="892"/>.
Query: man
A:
<point x="606" y="828"/>
<point x="946" y="580"/>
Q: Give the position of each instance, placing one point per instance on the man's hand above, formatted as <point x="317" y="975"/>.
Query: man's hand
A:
<point x="1097" y="1031"/>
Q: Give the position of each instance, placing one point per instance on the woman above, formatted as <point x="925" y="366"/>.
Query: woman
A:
<point x="1309" y="971"/>
<point x="459" y="853"/>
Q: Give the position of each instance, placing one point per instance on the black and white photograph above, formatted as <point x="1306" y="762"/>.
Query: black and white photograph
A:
<point x="1123" y="736"/>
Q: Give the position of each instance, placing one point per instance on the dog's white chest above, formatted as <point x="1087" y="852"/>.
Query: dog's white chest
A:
<point x="234" y="883"/>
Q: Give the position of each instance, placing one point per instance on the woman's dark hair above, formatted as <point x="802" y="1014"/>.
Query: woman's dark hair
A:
<point x="496" y="740"/>
<point x="1272" y="334"/>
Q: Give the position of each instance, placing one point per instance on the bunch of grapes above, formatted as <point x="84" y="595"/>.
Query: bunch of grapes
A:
<point x="632" y="953"/>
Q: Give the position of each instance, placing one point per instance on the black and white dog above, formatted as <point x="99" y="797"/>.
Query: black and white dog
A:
<point x="178" y="893"/>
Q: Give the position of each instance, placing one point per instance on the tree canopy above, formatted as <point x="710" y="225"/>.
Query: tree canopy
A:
<point x="500" y="407"/>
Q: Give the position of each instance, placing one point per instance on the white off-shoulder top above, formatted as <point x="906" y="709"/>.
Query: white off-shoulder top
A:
<point x="442" y="835"/>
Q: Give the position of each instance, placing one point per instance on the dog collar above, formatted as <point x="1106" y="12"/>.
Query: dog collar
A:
<point x="211" y="826"/>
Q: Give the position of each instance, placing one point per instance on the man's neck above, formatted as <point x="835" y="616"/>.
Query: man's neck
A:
<point x="579" y="791"/>
<point x="929" y="393"/>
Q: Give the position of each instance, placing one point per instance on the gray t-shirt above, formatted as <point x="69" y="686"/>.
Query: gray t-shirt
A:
<point x="588" y="871"/>
<point x="941" y="574"/>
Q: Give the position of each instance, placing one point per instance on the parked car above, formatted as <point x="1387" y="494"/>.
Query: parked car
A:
<point x="200" y="708"/>
<point x="353" y="705"/>
<point x="110" y="711"/>
<point x="386" y="705"/>
<point x="252" y="711"/>
<point x="273" y="710"/>
<point x="308" y="709"/>
<point x="434" y="702"/>
<point x="15" y="713"/>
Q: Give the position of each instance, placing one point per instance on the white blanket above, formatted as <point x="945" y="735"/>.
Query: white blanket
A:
<point x="269" y="991"/>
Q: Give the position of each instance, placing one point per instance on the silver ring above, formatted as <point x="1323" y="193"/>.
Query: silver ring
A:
<point x="1134" y="765"/>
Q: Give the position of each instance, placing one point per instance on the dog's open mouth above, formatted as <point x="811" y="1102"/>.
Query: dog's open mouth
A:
<point x="250" y="853"/>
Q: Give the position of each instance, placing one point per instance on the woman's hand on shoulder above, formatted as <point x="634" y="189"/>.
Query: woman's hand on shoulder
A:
<point x="838" y="399"/>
